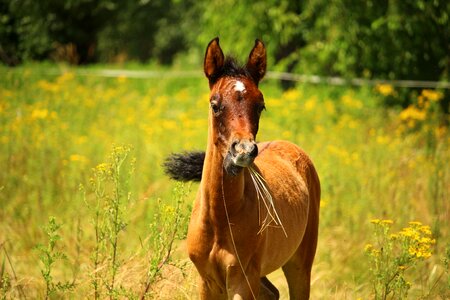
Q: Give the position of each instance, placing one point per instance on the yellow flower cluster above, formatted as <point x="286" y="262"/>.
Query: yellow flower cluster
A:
<point x="432" y="95"/>
<point x="393" y="254"/>
<point x="415" y="240"/>
<point x="382" y="222"/>
<point x="419" y="112"/>
<point x="371" y="250"/>
<point x="351" y="102"/>
<point x="103" y="169"/>
<point x="418" y="239"/>
<point x="413" y="113"/>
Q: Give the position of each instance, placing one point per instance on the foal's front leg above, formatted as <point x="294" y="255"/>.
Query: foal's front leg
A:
<point x="208" y="292"/>
<point x="240" y="286"/>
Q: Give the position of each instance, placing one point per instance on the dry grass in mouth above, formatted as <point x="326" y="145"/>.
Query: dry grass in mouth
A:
<point x="264" y="196"/>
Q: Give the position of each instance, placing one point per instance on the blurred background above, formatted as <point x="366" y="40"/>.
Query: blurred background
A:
<point x="94" y="95"/>
<point x="371" y="39"/>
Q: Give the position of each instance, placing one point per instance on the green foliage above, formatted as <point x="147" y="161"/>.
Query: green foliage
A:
<point x="169" y="225"/>
<point x="41" y="29"/>
<point x="5" y="281"/>
<point x="148" y="29"/>
<point x="238" y="23"/>
<point x="110" y="185"/>
<point x="382" y="39"/>
<point x="373" y="39"/>
<point x="49" y="255"/>
<point x="446" y="261"/>
<point x="82" y="31"/>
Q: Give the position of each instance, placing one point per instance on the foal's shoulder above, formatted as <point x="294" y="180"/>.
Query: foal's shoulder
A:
<point x="284" y="149"/>
<point x="281" y="147"/>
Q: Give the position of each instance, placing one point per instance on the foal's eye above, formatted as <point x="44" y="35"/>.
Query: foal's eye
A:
<point x="215" y="107"/>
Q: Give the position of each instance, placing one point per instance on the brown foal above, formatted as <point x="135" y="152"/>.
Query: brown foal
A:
<point x="230" y="247"/>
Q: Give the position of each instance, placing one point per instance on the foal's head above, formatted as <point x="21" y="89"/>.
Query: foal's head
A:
<point x="236" y="103"/>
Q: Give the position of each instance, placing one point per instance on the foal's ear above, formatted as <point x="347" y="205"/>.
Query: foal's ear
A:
<point x="257" y="61"/>
<point x="214" y="60"/>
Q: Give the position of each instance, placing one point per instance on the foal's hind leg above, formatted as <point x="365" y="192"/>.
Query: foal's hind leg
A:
<point x="298" y="269"/>
<point x="268" y="290"/>
<point x="298" y="278"/>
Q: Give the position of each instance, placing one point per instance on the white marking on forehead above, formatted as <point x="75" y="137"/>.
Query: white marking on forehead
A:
<point x="239" y="86"/>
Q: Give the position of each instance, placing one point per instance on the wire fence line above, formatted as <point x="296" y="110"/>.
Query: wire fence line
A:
<point x="312" y="79"/>
<point x="358" y="81"/>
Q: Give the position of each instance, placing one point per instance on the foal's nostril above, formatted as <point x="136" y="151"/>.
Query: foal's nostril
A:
<point x="234" y="147"/>
<point x="253" y="150"/>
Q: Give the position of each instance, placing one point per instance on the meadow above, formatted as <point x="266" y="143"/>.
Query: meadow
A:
<point x="87" y="212"/>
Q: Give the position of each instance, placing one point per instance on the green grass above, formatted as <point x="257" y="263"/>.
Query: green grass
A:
<point x="374" y="162"/>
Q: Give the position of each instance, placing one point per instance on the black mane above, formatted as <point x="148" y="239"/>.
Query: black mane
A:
<point x="231" y="67"/>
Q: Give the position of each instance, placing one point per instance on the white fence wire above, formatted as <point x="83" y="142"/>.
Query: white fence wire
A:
<point x="312" y="79"/>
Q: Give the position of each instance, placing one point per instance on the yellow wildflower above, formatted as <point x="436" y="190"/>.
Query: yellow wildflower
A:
<point x="376" y="252"/>
<point x="440" y="131"/>
<point x="292" y="94"/>
<point x="48" y="86"/>
<point x="103" y="168"/>
<point x="412" y="113"/>
<point x="65" y="77"/>
<point x="423" y="102"/>
<point x="3" y="106"/>
<point x="330" y="107"/>
<point x="415" y="223"/>
<point x="382" y="139"/>
<point x="78" y="158"/>
<point x="350" y="102"/>
<point x="318" y="129"/>
<point x="169" y="124"/>
<point x="432" y="95"/>
<point x="183" y="95"/>
<point x="385" y="89"/>
<point x="425" y="229"/>
<point x="286" y="134"/>
<point x="271" y="102"/>
<point x="368" y="248"/>
<point x="393" y="236"/>
<point x="39" y="114"/>
<point x="81" y="140"/>
<point x="310" y="104"/>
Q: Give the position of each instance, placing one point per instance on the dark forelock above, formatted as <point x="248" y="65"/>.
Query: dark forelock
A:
<point x="231" y="67"/>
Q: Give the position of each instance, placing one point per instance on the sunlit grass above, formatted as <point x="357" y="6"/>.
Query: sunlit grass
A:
<point x="373" y="163"/>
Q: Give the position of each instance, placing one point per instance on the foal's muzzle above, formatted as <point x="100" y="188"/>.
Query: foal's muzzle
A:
<point x="243" y="152"/>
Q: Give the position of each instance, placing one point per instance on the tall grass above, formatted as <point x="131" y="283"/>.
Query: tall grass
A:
<point x="57" y="131"/>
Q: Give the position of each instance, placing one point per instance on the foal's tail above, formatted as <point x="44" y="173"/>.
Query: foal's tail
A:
<point x="186" y="166"/>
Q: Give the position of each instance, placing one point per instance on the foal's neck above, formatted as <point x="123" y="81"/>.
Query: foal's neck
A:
<point x="218" y="187"/>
